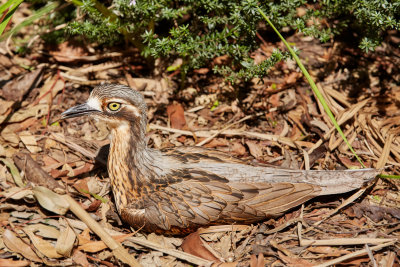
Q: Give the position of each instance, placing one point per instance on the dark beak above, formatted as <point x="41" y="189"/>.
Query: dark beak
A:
<point x="80" y="110"/>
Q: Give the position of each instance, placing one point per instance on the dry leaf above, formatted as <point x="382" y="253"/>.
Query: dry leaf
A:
<point x="26" y="124"/>
<point x="48" y="161"/>
<point x="16" y="193"/>
<point x="201" y="71"/>
<point x="5" y="109"/>
<point x="51" y="144"/>
<point x="221" y="60"/>
<point x="24" y="215"/>
<point x="51" y="87"/>
<point x="66" y="240"/>
<point x="320" y="124"/>
<point x="292" y="77"/>
<point x="15" y="244"/>
<point x="97" y="246"/>
<point x="82" y="187"/>
<point x="68" y="52"/>
<point x="29" y="141"/>
<point x="34" y="173"/>
<point x="42" y="245"/>
<point x="194" y="245"/>
<point x="227" y="264"/>
<point x="36" y="111"/>
<point x="165" y="242"/>
<point x="255" y="149"/>
<point x="158" y="89"/>
<point x="9" y="135"/>
<point x="44" y="230"/>
<point x="58" y="173"/>
<point x="328" y="251"/>
<point x="67" y="167"/>
<point x="257" y="261"/>
<point x="238" y="149"/>
<point x="80" y="258"/>
<point x="295" y="262"/>
<point x="357" y="261"/>
<point x="14" y="172"/>
<point x="94" y="206"/>
<point x="85" y="169"/>
<point x="50" y="200"/>
<point x="10" y="262"/>
<point x="349" y="163"/>
<point x="84" y="237"/>
<point x="176" y="116"/>
<point x="17" y="88"/>
<point x="216" y="142"/>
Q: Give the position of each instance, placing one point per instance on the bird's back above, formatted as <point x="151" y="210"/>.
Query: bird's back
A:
<point x="239" y="171"/>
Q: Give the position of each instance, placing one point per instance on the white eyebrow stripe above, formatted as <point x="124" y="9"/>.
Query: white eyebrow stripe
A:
<point x="118" y="100"/>
<point x="94" y="103"/>
<point x="134" y="110"/>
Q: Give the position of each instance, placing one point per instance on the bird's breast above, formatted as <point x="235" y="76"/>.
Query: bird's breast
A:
<point x="121" y="169"/>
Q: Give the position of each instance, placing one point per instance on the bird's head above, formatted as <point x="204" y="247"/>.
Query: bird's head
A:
<point x="116" y="104"/>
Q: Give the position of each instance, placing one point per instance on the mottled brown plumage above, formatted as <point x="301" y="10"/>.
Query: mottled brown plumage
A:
<point x="180" y="189"/>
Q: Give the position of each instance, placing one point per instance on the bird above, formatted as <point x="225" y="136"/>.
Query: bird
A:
<point x="177" y="190"/>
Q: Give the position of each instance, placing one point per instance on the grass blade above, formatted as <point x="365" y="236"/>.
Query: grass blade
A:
<point x="38" y="14"/>
<point x="313" y="87"/>
<point x="6" y="18"/>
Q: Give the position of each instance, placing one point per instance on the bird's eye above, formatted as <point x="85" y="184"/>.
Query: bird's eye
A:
<point x="114" y="106"/>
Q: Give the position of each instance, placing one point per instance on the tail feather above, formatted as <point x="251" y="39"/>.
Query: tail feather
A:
<point x="331" y="182"/>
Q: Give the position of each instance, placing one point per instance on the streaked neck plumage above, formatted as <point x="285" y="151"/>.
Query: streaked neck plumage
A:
<point x="129" y="161"/>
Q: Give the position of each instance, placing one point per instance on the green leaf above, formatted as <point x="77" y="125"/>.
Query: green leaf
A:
<point x="215" y="105"/>
<point x="96" y="196"/>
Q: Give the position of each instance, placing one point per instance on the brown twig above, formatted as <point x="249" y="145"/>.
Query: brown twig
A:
<point x="354" y="255"/>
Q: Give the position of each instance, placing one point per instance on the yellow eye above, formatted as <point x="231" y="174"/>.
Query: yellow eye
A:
<point x="114" y="106"/>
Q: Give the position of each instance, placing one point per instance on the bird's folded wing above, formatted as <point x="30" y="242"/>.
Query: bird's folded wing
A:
<point x="186" y="204"/>
<point x="236" y="170"/>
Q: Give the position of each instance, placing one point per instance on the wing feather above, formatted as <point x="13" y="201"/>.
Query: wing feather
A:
<point x="206" y="187"/>
<point x="175" y="208"/>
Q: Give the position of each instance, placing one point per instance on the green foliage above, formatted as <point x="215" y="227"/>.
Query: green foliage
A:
<point x="58" y="17"/>
<point x="250" y="70"/>
<point x="196" y="31"/>
<point x="8" y="8"/>
<point x="200" y="30"/>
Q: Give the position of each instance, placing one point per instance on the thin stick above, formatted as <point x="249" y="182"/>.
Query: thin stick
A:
<point x="208" y="139"/>
<point x="261" y="136"/>
<point x="62" y="139"/>
<point x="354" y="255"/>
<point x="370" y="255"/>
<point x="385" y="153"/>
<point x="119" y="252"/>
<point x="345" y="241"/>
<point x="283" y="226"/>
<point x="344" y="204"/>
<point x="300" y="225"/>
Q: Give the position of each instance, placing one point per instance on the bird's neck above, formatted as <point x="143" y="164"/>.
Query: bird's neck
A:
<point x="129" y="163"/>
